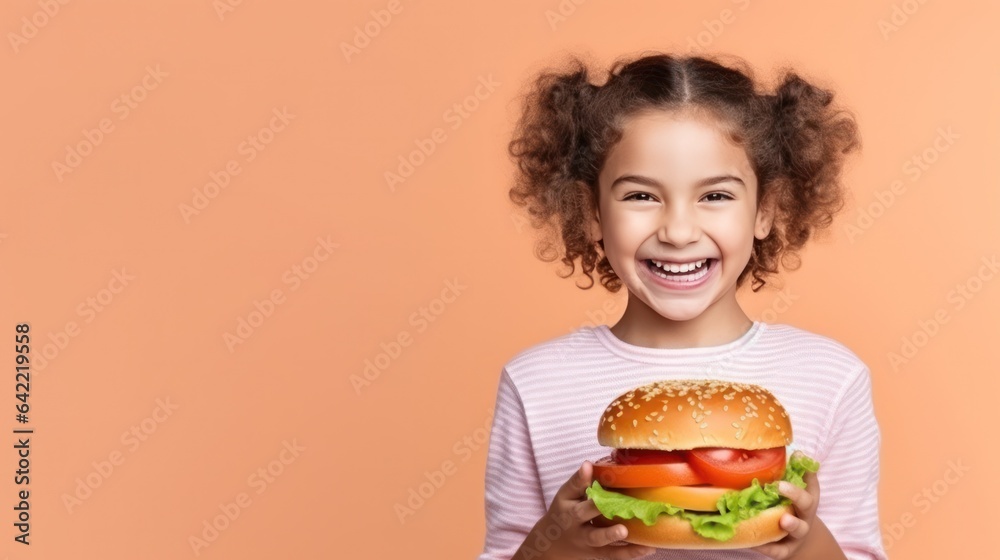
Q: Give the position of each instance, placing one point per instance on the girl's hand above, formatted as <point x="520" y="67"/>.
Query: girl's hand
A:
<point x="805" y="501"/>
<point x="565" y="532"/>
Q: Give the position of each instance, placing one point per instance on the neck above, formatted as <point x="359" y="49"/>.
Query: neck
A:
<point x="723" y="322"/>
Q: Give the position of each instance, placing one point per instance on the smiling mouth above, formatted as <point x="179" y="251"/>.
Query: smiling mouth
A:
<point x="692" y="273"/>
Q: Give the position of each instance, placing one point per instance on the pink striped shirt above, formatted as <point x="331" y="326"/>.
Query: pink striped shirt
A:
<point x="551" y="396"/>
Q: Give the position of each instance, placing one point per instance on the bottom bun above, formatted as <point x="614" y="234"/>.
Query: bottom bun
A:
<point x="676" y="532"/>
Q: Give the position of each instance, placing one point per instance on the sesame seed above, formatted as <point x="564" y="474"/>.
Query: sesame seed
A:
<point x="768" y="424"/>
<point x="725" y="407"/>
<point x="736" y="424"/>
<point x="703" y="425"/>
<point x="635" y="423"/>
<point x="613" y="427"/>
<point x="619" y="414"/>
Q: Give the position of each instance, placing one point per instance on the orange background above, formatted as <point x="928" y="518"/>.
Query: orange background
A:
<point x="320" y="175"/>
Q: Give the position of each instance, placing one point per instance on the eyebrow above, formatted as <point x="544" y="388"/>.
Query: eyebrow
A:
<point x="650" y="182"/>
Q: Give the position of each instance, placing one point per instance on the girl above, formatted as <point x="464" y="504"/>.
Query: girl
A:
<point x="679" y="179"/>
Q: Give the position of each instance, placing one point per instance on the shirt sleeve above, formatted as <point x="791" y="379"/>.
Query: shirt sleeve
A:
<point x="849" y="473"/>
<point x="514" y="497"/>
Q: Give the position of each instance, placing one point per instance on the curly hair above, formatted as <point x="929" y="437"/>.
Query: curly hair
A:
<point x="795" y="140"/>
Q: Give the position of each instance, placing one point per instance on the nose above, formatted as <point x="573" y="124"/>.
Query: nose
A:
<point x="679" y="227"/>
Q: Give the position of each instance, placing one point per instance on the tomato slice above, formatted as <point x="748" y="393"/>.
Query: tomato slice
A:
<point x="736" y="468"/>
<point x="636" y="474"/>
<point x="647" y="456"/>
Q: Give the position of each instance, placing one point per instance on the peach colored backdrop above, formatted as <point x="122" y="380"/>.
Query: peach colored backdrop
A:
<point x="249" y="343"/>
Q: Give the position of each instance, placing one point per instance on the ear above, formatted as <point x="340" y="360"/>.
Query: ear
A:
<point x="764" y="220"/>
<point x="594" y="222"/>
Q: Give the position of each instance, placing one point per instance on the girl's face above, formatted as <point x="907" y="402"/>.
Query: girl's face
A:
<point x="675" y="190"/>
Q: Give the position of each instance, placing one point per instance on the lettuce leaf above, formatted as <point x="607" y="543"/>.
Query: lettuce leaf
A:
<point x="733" y="507"/>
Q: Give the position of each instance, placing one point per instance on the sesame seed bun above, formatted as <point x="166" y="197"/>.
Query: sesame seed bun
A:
<point x="674" y="532"/>
<point x="692" y="413"/>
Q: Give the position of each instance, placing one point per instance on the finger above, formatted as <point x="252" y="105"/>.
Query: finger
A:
<point x="574" y="488"/>
<point x="624" y="552"/>
<point x="797" y="528"/>
<point x="812" y="484"/>
<point x="774" y="550"/>
<point x="802" y="500"/>
<point x="599" y="537"/>
<point x="779" y="550"/>
<point x="585" y="511"/>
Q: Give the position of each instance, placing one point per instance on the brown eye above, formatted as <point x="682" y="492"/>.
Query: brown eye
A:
<point x="721" y="194"/>
<point x="633" y="196"/>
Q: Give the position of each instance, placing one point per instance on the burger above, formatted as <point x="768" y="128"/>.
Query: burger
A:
<point x="695" y="463"/>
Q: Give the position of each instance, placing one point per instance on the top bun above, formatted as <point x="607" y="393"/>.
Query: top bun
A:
<point x="692" y="413"/>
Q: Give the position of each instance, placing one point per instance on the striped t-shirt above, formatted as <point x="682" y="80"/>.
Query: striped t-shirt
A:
<point x="551" y="397"/>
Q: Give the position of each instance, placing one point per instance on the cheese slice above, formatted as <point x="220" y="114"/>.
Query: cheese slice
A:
<point x="697" y="498"/>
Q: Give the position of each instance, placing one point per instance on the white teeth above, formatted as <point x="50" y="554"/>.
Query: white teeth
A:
<point x="680" y="267"/>
<point x="699" y="270"/>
